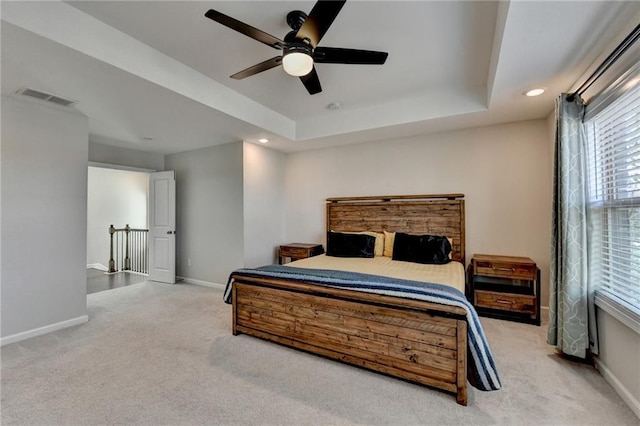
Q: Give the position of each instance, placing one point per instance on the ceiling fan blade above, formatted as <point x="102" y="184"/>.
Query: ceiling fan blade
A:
<point x="312" y="82"/>
<point x="319" y="20"/>
<point x="337" y="55"/>
<point x="262" y="66"/>
<point x="245" y="29"/>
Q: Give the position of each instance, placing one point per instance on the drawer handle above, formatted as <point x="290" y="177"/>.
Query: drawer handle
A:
<point x="505" y="302"/>
<point x="504" y="269"/>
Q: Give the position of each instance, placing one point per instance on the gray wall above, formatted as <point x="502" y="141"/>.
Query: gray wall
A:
<point x="503" y="170"/>
<point x="44" y="215"/>
<point x="209" y="203"/>
<point x="619" y="358"/>
<point x="264" y="204"/>
<point x="107" y="154"/>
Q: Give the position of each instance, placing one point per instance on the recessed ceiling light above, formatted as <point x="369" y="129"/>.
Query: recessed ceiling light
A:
<point x="147" y="138"/>
<point x="334" y="105"/>
<point x="534" y="92"/>
<point x="263" y="140"/>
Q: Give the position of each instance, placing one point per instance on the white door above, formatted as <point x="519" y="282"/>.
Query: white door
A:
<point x="162" y="227"/>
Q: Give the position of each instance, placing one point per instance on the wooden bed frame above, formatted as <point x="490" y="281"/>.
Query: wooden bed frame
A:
<point x="414" y="340"/>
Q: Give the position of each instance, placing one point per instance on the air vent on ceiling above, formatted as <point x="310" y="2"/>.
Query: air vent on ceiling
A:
<point x="47" y="97"/>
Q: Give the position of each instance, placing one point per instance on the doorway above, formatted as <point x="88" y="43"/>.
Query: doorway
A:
<point x="115" y="197"/>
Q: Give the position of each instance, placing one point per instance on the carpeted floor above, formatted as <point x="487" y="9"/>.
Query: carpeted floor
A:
<point x="163" y="354"/>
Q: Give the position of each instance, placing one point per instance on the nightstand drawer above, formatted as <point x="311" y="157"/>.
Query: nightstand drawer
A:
<point x="295" y="252"/>
<point x="506" y="269"/>
<point x="522" y="303"/>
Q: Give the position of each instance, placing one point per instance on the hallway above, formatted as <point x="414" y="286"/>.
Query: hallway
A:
<point x="98" y="280"/>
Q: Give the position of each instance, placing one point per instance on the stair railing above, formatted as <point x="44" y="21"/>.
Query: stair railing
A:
<point x="131" y="252"/>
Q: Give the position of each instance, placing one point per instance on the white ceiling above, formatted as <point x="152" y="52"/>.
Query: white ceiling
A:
<point x="161" y="69"/>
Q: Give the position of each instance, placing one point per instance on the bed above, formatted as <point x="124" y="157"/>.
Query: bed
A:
<point x="406" y="326"/>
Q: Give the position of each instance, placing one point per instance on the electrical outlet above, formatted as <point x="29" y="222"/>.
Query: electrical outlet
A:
<point x="189" y="262"/>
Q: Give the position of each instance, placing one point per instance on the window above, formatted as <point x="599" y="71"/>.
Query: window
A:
<point x="614" y="198"/>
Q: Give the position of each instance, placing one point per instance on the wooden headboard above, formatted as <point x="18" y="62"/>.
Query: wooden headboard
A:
<point x="436" y="214"/>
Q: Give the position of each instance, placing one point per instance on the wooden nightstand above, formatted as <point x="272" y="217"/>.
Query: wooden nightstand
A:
<point x="506" y="287"/>
<point x="297" y="251"/>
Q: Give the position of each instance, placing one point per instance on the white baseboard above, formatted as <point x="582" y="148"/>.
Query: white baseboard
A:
<point x="544" y="312"/>
<point x="18" y="337"/>
<point x="624" y="393"/>
<point x="200" y="282"/>
<point x="99" y="266"/>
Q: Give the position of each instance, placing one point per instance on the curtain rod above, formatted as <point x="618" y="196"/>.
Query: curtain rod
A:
<point x="604" y="66"/>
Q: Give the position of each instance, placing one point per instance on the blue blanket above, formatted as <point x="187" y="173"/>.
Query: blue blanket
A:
<point x="482" y="375"/>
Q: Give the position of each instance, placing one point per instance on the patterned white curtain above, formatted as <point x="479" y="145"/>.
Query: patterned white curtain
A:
<point x="571" y="309"/>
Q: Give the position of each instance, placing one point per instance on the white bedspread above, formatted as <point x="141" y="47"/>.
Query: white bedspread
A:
<point x="451" y="274"/>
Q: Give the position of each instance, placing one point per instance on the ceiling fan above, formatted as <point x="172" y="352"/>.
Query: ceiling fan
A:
<point x="300" y="48"/>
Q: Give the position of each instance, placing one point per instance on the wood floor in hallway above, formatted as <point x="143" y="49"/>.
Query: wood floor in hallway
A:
<point x="98" y="280"/>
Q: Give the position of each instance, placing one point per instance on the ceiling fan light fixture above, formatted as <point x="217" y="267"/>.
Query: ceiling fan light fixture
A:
<point x="299" y="48"/>
<point x="297" y="61"/>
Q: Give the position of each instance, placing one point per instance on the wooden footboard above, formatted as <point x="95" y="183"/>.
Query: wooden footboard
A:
<point x="414" y="340"/>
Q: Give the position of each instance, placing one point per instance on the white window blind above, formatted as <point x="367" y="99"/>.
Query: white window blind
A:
<point x="614" y="195"/>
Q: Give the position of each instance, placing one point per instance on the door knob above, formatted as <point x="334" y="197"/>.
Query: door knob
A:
<point x="171" y="232"/>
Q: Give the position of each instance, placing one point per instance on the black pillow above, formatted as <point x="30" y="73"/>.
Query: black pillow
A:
<point x="421" y="248"/>
<point x="350" y="245"/>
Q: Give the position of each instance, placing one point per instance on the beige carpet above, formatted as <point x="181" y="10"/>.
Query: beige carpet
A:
<point x="162" y="354"/>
